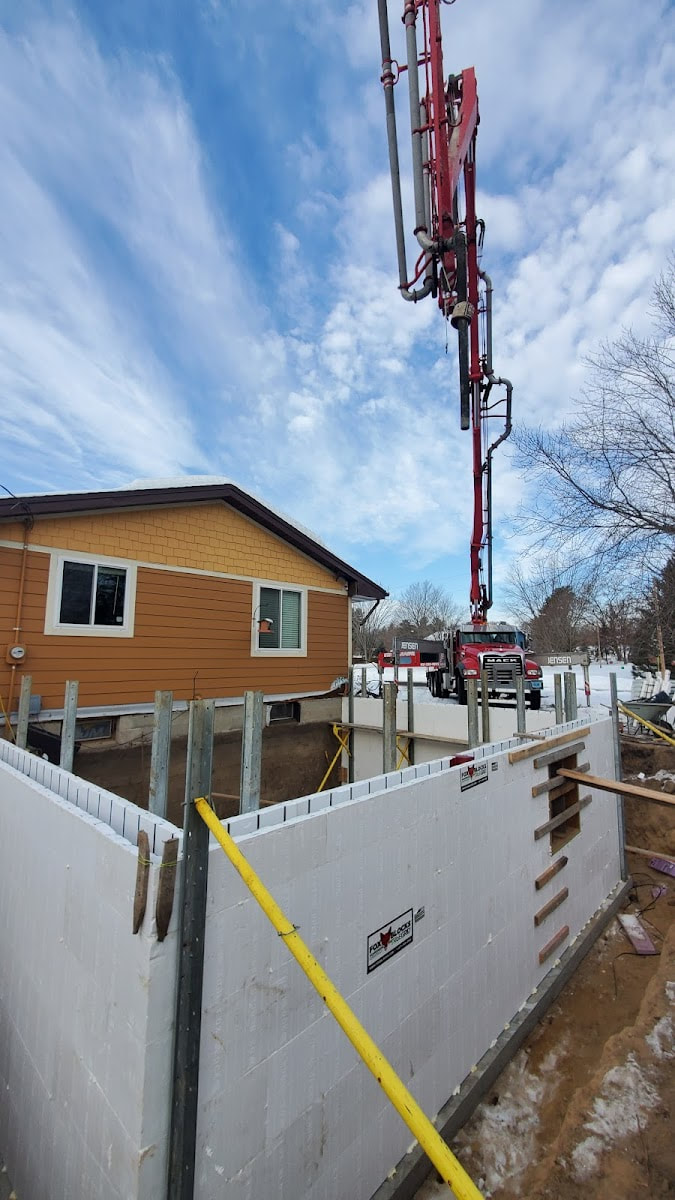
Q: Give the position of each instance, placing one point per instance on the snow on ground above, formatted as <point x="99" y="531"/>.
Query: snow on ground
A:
<point x="599" y="674"/>
<point x="625" y="1099"/>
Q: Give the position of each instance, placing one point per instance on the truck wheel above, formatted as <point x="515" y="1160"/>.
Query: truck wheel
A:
<point x="535" y="700"/>
<point x="461" y="688"/>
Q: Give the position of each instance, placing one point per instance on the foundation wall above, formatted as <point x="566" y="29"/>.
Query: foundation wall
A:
<point x="306" y="1118"/>
<point x="286" y="1109"/>
<point x="86" y="1008"/>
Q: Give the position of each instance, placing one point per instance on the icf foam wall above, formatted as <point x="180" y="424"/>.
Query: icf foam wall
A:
<point x="86" y="1008"/>
<point x="445" y="727"/>
<point x="287" y="1111"/>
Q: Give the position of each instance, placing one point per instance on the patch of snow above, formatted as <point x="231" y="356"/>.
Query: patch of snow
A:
<point x="504" y="1134"/>
<point x="626" y="1096"/>
<point x="660" y="1040"/>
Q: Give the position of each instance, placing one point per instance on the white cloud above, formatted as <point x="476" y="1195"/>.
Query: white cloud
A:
<point x="147" y="327"/>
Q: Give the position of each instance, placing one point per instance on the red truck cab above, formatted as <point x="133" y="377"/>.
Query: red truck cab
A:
<point x="496" y="648"/>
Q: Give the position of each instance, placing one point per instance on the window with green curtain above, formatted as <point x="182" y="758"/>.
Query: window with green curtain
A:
<point x="290" y="620"/>
<point x="283" y="608"/>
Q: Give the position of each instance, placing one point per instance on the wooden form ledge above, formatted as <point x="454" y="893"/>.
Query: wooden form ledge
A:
<point x="544" y="760"/>
<point x="551" y="906"/>
<point x="558" y="865"/>
<point x="560" y="740"/>
<point x="616" y="785"/>
<point x="555" y="941"/>
<point x="561" y="818"/>
<point x="554" y="784"/>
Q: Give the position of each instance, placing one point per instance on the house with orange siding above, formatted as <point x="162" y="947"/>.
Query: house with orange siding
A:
<point x="197" y="588"/>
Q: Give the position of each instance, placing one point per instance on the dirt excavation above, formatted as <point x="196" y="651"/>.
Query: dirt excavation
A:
<point x="587" y="1106"/>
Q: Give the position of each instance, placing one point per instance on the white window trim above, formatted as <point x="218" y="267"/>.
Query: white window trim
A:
<point x="282" y="651"/>
<point x="53" y="626"/>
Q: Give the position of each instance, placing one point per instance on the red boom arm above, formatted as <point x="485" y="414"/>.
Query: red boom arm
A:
<point x="444" y="123"/>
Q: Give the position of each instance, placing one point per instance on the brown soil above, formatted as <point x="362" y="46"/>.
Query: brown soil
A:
<point x="587" y="1106"/>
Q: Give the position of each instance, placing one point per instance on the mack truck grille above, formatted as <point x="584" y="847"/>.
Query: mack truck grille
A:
<point x="502" y="670"/>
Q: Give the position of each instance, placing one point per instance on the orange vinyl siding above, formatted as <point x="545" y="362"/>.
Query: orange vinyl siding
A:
<point x="192" y="635"/>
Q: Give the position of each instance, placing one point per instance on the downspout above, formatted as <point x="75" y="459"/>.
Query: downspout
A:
<point x="28" y="525"/>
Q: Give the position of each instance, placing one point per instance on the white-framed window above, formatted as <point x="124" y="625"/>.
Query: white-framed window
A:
<point x="279" y="620"/>
<point x="90" y="596"/>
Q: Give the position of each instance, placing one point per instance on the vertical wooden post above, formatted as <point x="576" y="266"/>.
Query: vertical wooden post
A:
<point x="183" y="1132"/>
<point x="364" y="682"/>
<point x="251" y="752"/>
<point x="616" y="738"/>
<point x="570" y="696"/>
<point x="521" y="719"/>
<point x="558" y="692"/>
<point x="350" y="718"/>
<point x="484" y="706"/>
<point x="411" y="716"/>
<point x="24" y="712"/>
<point x="68" y="726"/>
<point x="389" y="728"/>
<point x="472" y="711"/>
<point x="161" y="749"/>
<point x="587" y="684"/>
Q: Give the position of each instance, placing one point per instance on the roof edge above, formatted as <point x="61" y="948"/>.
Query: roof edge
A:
<point x="19" y="508"/>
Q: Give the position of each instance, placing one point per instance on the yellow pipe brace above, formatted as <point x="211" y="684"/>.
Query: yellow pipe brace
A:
<point x="406" y="1106"/>
<point x="654" y="728"/>
<point x="403" y="752"/>
<point x="343" y="745"/>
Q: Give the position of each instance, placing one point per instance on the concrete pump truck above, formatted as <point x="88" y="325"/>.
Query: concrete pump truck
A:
<point x="444" y="123"/>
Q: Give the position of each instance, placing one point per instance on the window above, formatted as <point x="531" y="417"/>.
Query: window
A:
<point x="280" y="620"/>
<point x="283" y="710"/>
<point x="560" y="801"/>
<point x="91" y="597"/>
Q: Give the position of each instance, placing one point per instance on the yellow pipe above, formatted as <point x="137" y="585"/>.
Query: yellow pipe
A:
<point x="344" y="745"/>
<point x="654" y="728"/>
<point x="406" y="1106"/>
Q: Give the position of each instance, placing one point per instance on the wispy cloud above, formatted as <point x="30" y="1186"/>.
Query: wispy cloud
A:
<point x="150" y="323"/>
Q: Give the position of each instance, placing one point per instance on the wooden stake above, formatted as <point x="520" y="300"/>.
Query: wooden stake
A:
<point x="142" y="874"/>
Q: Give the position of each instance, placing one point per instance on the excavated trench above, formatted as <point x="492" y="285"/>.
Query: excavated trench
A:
<point x="587" y="1105"/>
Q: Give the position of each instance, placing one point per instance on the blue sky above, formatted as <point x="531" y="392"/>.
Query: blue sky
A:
<point x="197" y="268"/>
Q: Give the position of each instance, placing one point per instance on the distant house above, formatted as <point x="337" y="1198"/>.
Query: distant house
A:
<point x="195" y="588"/>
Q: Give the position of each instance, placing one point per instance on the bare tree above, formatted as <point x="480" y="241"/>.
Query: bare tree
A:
<point x="425" y="608"/>
<point x="605" y="481"/>
<point x="529" y="590"/>
<point x="370" y="627"/>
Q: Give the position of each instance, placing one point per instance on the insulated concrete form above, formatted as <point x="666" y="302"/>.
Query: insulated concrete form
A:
<point x="445" y="725"/>
<point x="86" y="1008"/>
<point x="286" y="1110"/>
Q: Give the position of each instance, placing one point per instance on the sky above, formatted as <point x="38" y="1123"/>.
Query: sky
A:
<point x="197" y="260"/>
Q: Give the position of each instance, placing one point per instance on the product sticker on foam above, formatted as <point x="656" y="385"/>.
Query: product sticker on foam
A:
<point x="389" y="939"/>
<point x="472" y="775"/>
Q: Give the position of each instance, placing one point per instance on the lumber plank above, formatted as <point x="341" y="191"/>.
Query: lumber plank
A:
<point x="551" y="905"/>
<point x="550" y="785"/>
<point x="548" y="874"/>
<point x="617" y="785"/>
<point x="650" y="853"/>
<point x="561" y="818"/>
<point x="543" y="760"/>
<point x="560" y="740"/>
<point x="555" y="941"/>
